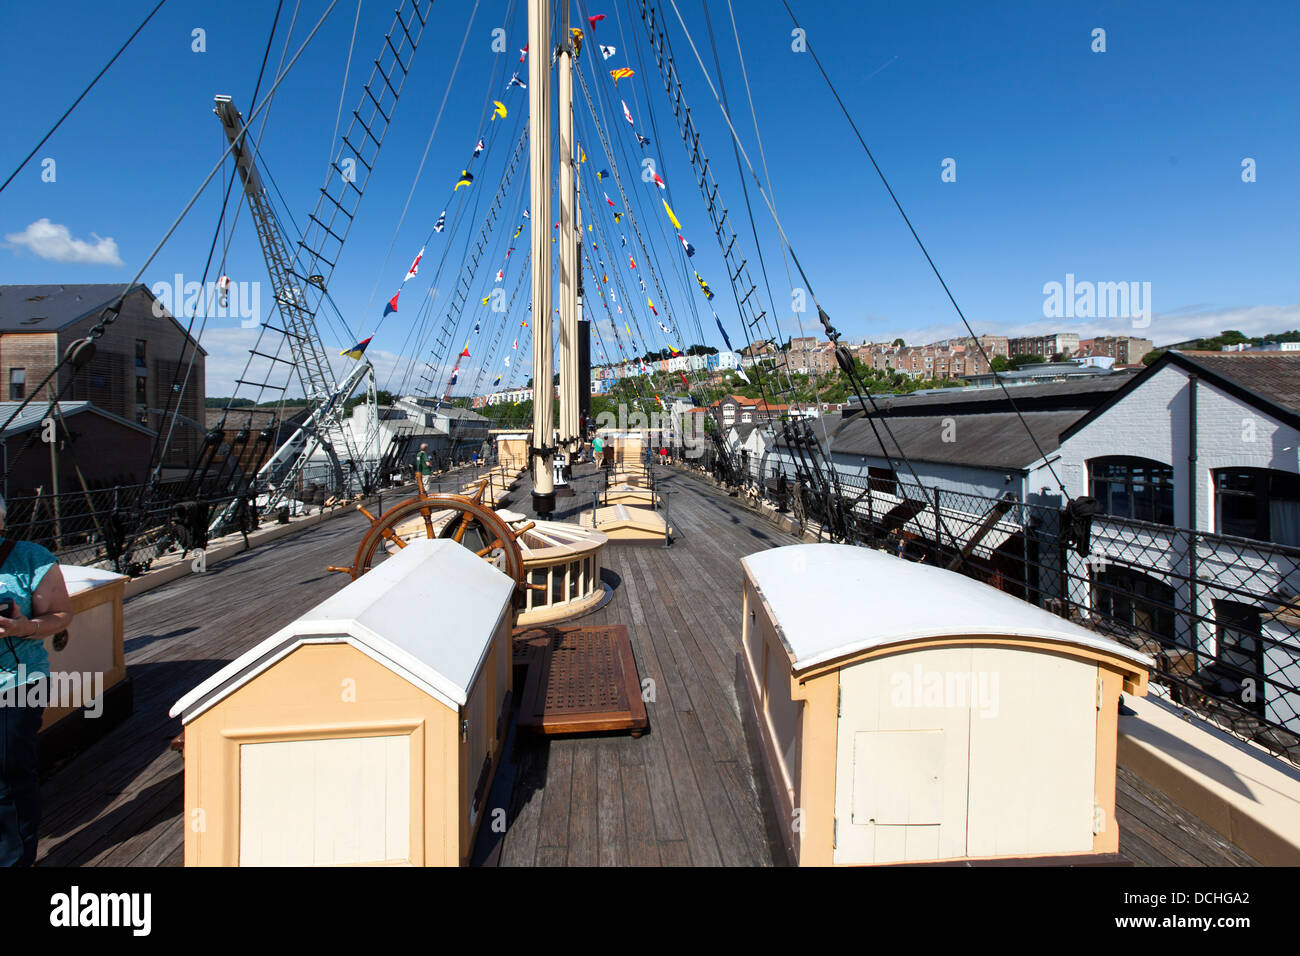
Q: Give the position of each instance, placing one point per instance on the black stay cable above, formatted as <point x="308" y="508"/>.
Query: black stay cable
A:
<point x="796" y="444"/>
<point x="68" y="112"/>
<point x="200" y="466"/>
<point x="842" y="354"/>
<point x="925" y="252"/>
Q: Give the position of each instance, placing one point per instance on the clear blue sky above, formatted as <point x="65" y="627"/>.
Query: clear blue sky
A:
<point x="1115" y="166"/>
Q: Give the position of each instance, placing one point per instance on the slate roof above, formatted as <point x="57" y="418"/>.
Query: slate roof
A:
<point x="1267" y="381"/>
<point x="1078" y="393"/>
<point x="49" y="308"/>
<point x="823" y="427"/>
<point x="52" y="308"/>
<point x="992" y="440"/>
<point x="1273" y="376"/>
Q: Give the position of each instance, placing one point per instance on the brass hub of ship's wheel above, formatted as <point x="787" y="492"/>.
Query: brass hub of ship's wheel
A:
<point x="470" y="523"/>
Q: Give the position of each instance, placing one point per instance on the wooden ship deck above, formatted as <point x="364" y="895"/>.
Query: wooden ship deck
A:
<point x="688" y="792"/>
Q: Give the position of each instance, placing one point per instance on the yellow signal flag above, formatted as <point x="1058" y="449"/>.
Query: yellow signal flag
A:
<point x="500" y="109"/>
<point x="671" y="218"/>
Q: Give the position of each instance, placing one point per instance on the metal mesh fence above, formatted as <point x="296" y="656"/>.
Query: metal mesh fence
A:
<point x="1219" y="615"/>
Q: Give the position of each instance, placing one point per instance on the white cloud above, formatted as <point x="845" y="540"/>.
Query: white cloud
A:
<point x="52" y="241"/>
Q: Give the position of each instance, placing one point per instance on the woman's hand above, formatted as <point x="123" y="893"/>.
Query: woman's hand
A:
<point x="51" y="606"/>
<point x="17" y="624"/>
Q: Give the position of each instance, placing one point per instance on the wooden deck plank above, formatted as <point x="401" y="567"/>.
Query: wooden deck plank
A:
<point x="553" y="829"/>
<point x="687" y="793"/>
<point x="643" y="848"/>
<point x="584" y="833"/>
<point x="610" y="821"/>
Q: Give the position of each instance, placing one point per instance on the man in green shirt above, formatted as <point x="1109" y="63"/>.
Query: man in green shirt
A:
<point x="422" y="464"/>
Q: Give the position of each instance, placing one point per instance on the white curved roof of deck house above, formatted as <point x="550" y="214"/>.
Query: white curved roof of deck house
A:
<point x="833" y="600"/>
<point x="428" y="613"/>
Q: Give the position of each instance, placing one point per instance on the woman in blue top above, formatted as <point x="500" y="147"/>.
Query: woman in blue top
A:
<point x="34" y="605"/>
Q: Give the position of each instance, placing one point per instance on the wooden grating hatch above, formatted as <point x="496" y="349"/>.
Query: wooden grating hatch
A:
<point x="579" y="680"/>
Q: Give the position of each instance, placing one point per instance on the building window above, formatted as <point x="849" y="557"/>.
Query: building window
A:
<point x="1135" y="601"/>
<point x="1133" y="488"/>
<point x="140" y="348"/>
<point x="882" y="479"/>
<point x="141" y="390"/>
<point x="1258" y="503"/>
<point x="1239" y="653"/>
<point x="17" y="384"/>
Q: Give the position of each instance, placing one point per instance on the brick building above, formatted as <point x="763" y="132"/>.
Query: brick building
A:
<point x="1064" y="344"/>
<point x="131" y="373"/>
<point x="1124" y="349"/>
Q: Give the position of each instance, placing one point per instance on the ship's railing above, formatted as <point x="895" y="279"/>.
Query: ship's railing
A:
<point x="1220" y="615"/>
<point x="112" y="527"/>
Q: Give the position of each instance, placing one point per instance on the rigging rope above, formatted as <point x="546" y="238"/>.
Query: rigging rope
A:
<point x="82" y="96"/>
<point x="925" y="252"/>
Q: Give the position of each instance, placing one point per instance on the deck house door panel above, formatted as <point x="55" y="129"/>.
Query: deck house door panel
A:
<point x="900" y="787"/>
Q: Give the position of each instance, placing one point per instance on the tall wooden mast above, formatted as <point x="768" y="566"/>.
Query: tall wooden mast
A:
<point x="539" y="146"/>
<point x="568" y="239"/>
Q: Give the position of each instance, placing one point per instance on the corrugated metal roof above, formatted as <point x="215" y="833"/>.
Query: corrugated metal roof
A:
<point x="35" y="412"/>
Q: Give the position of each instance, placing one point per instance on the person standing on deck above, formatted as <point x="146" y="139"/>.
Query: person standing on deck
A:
<point x="422" y="464"/>
<point x="34" y="605"/>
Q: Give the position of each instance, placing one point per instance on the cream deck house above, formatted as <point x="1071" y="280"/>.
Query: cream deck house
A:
<point x="365" y="732"/>
<point x="911" y="714"/>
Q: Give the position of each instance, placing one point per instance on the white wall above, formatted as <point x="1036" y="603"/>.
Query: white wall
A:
<point x="961" y="479"/>
<point x="1152" y="422"/>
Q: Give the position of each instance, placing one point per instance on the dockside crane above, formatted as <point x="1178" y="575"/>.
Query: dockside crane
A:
<point x="324" y="428"/>
<point x="300" y="278"/>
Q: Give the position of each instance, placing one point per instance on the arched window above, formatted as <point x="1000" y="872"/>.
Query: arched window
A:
<point x="1258" y="503"/>
<point x="1133" y="488"/>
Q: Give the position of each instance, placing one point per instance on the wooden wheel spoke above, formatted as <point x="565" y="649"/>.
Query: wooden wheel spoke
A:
<point x="464" y="510"/>
<point x="489" y="549"/>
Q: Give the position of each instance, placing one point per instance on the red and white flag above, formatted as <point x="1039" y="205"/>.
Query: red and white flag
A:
<point x="627" y="113"/>
<point x="415" y="266"/>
